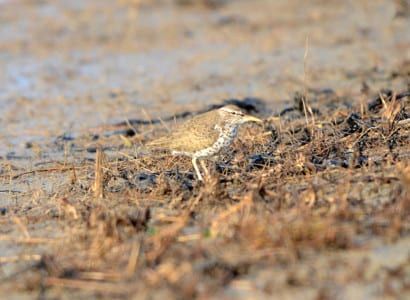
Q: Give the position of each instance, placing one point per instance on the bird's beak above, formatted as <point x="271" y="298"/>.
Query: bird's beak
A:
<point x="252" y="119"/>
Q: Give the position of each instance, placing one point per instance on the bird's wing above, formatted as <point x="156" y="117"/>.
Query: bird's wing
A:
<point x="190" y="136"/>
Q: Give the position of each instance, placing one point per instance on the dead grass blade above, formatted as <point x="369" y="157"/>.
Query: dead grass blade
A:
<point x="87" y="285"/>
<point x="23" y="257"/>
<point x="27" y="240"/>
<point x="162" y="240"/>
<point x="116" y="276"/>
<point x="22" y="226"/>
<point x="99" y="175"/>
<point x="62" y="169"/>
<point x="244" y="205"/>
<point x="68" y="208"/>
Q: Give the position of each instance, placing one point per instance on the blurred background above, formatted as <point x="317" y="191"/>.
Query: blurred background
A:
<point x="71" y="65"/>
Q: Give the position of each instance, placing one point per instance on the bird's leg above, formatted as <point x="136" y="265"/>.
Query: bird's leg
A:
<point x="194" y="159"/>
<point x="203" y="165"/>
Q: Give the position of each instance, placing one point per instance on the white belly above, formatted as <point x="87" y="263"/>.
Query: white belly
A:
<point x="224" y="140"/>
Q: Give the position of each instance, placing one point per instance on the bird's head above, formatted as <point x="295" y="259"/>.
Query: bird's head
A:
<point x="233" y="114"/>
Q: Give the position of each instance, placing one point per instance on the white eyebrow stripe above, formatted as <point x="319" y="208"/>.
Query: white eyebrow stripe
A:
<point x="233" y="111"/>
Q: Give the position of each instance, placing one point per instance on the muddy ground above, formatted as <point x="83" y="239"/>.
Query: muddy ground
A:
<point x="313" y="204"/>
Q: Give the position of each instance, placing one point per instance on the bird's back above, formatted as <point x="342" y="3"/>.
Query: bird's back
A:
<point x="192" y="136"/>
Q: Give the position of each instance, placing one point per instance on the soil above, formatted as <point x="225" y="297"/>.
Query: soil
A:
<point x="313" y="204"/>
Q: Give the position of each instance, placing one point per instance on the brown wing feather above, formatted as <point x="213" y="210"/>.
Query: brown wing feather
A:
<point x="191" y="136"/>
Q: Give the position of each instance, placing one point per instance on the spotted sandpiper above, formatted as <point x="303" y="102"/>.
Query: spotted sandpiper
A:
<point x="204" y="135"/>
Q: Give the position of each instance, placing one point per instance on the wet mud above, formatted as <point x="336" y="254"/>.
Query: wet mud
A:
<point x="314" y="203"/>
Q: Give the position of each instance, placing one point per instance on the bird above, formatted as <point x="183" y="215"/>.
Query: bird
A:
<point x="204" y="135"/>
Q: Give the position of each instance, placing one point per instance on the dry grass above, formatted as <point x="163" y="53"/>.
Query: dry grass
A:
<point x="284" y="195"/>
